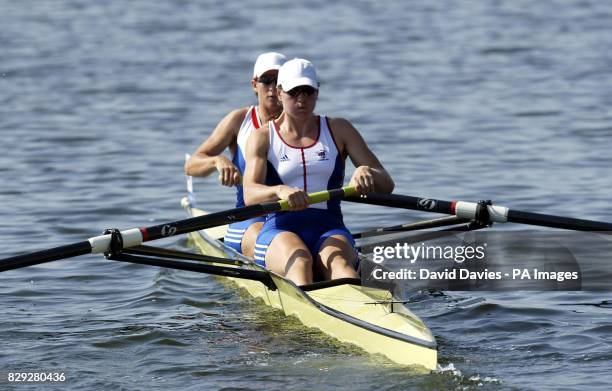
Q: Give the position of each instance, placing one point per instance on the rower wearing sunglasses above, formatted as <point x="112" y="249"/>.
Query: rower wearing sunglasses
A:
<point x="233" y="132"/>
<point x="298" y="153"/>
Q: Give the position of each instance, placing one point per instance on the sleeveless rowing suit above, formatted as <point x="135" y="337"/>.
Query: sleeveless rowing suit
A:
<point x="235" y="231"/>
<point x="312" y="168"/>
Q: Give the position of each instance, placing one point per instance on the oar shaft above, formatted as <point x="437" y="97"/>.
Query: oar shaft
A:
<point x="233" y="215"/>
<point x="136" y="236"/>
<point x="467" y="210"/>
<point x="52" y="254"/>
<point x="206" y="221"/>
<point x="517" y="216"/>
<point x="404" y="202"/>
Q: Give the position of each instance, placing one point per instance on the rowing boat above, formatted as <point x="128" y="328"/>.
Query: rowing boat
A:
<point x="344" y="309"/>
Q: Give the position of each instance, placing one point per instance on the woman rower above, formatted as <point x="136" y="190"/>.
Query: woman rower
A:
<point x="233" y="132"/>
<point x="302" y="152"/>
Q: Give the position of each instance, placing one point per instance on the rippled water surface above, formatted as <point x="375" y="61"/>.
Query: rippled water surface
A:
<point x="507" y="100"/>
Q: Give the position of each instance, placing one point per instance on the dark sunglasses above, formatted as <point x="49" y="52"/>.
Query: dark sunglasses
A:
<point x="267" y="80"/>
<point x="297" y="91"/>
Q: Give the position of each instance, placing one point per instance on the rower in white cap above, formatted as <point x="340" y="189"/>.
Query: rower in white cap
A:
<point x="301" y="152"/>
<point x="233" y="132"/>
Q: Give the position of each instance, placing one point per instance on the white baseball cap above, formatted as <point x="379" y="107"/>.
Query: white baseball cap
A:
<point x="268" y="61"/>
<point x="297" y="72"/>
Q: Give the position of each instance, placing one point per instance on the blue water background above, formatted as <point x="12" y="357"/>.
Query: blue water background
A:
<point x="504" y="100"/>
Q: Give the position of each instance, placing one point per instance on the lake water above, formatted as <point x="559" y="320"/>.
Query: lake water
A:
<point x="501" y="100"/>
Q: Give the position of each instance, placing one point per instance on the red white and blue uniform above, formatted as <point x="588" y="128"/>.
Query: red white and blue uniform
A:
<point x="235" y="231"/>
<point x="312" y="168"/>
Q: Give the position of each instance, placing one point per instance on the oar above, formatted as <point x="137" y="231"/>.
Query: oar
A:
<point x="135" y="236"/>
<point x="418" y="225"/>
<point x="470" y="211"/>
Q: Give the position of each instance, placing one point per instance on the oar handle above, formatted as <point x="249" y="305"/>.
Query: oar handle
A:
<point x="322" y="196"/>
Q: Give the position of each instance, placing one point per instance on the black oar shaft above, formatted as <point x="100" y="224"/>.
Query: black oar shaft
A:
<point x="517" y="216"/>
<point x="136" y="236"/>
<point x="52" y="254"/>
<point x="230" y="216"/>
<point x="467" y="210"/>
<point x="207" y="221"/>
<point x="405" y="202"/>
<point x="148" y="234"/>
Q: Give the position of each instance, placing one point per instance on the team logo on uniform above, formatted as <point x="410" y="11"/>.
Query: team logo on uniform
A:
<point x="284" y="158"/>
<point x="322" y="155"/>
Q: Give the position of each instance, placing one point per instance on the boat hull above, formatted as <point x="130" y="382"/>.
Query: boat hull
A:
<point x="348" y="312"/>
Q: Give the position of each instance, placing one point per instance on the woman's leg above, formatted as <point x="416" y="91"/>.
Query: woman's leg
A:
<point x="337" y="257"/>
<point x="248" y="239"/>
<point x="285" y="254"/>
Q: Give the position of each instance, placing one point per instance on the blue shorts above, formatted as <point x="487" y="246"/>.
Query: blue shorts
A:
<point x="312" y="225"/>
<point x="235" y="232"/>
